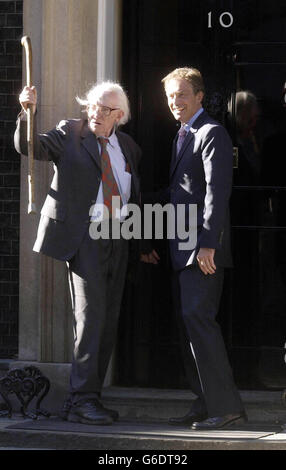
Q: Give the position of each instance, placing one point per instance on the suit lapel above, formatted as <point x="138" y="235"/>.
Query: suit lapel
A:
<point x="176" y="158"/>
<point x="90" y="143"/>
<point x="128" y="155"/>
<point x="125" y="150"/>
<point x="189" y="137"/>
<point x="174" y="155"/>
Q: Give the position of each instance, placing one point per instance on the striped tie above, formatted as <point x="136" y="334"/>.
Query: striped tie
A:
<point x="109" y="184"/>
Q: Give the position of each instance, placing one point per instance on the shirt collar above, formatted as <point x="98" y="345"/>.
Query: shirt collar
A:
<point x="112" y="139"/>
<point x="189" y="124"/>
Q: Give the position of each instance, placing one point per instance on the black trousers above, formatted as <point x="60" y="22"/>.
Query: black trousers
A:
<point x="96" y="276"/>
<point x="197" y="298"/>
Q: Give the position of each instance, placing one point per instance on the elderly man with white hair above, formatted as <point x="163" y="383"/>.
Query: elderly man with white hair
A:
<point x="93" y="162"/>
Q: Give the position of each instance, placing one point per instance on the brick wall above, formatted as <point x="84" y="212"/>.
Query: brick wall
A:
<point x="10" y="85"/>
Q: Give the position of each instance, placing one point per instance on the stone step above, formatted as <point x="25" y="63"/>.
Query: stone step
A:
<point x="126" y="436"/>
<point x="143" y="425"/>
<point x="149" y="405"/>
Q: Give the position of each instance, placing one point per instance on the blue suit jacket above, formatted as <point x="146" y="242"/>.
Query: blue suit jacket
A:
<point x="202" y="174"/>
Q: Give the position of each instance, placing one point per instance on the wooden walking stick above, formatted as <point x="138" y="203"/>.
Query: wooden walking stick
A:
<point x="26" y="43"/>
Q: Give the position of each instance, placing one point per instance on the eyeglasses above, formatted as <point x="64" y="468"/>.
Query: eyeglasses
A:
<point x="105" y="110"/>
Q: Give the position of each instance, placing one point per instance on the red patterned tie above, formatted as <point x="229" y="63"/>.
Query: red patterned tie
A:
<point x="109" y="184"/>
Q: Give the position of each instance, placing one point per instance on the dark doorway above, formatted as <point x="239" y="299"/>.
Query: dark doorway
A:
<point x="239" y="48"/>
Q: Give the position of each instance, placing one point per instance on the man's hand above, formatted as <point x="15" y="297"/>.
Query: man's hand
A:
<point x="152" y="257"/>
<point x="28" y="96"/>
<point x="205" y="259"/>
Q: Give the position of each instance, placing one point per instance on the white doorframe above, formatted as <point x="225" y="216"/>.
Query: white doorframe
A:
<point x="109" y="39"/>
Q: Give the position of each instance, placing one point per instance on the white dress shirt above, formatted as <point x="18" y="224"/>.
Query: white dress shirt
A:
<point x="122" y="178"/>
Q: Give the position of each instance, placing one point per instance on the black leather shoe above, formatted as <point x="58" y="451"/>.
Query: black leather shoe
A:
<point x="68" y="404"/>
<point x="89" y="412"/>
<point x="219" y="422"/>
<point x="188" y="419"/>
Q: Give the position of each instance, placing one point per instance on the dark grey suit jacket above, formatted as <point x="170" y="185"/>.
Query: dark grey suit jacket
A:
<point x="74" y="150"/>
<point x="202" y="174"/>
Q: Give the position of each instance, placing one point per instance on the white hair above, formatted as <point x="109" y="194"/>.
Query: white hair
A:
<point x="99" y="89"/>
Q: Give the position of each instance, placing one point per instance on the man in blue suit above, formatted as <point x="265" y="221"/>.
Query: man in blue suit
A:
<point x="201" y="174"/>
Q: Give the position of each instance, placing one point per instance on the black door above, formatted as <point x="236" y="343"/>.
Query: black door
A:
<point x="258" y="207"/>
<point x="239" y="48"/>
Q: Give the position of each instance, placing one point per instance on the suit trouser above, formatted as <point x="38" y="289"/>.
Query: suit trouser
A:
<point x="197" y="298"/>
<point x="97" y="276"/>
